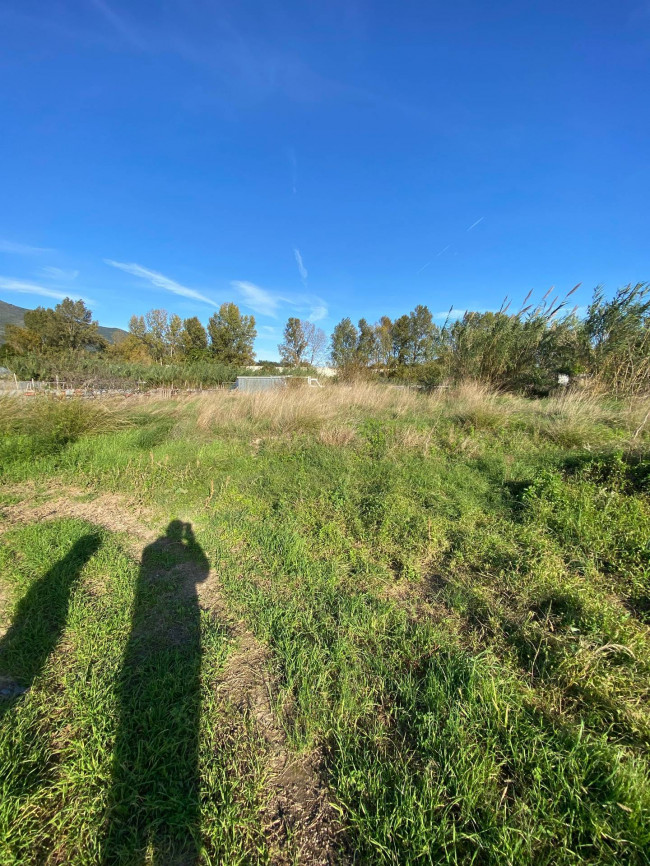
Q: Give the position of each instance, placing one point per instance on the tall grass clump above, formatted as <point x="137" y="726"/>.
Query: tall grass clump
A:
<point x="527" y="351"/>
<point x="45" y="425"/>
<point x="578" y="417"/>
<point x="618" y="335"/>
<point x="302" y="409"/>
<point x="575" y="418"/>
<point x="478" y="406"/>
<point x="522" y="351"/>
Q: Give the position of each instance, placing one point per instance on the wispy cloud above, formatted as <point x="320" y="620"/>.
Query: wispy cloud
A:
<point x="269" y="303"/>
<point x="318" y="312"/>
<point x="59" y="273"/>
<point x="160" y="281"/>
<point x="449" y="245"/>
<point x="22" y="249"/>
<point x="294" y="170"/>
<point x="302" y="270"/>
<point x="260" y="300"/>
<point x="10" y="285"/>
<point x="118" y="22"/>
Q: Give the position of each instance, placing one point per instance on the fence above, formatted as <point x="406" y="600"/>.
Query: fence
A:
<point x="59" y="388"/>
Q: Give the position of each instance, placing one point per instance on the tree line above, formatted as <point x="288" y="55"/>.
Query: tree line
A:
<point x="527" y="351"/>
<point x="524" y="351"/>
<point x="156" y="337"/>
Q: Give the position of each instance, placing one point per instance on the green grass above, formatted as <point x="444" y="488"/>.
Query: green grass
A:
<point x="454" y="595"/>
<point x="98" y="757"/>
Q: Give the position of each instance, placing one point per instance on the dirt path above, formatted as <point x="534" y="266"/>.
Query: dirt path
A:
<point x="4" y="607"/>
<point x="108" y="510"/>
<point x="299" y="823"/>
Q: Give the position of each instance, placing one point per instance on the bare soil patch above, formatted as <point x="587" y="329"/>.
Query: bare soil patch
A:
<point x="108" y="510"/>
<point x="299" y="822"/>
<point x="5" y="601"/>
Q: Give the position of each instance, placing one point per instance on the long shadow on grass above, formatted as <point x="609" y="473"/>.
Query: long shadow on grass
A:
<point x="39" y="622"/>
<point x="153" y="809"/>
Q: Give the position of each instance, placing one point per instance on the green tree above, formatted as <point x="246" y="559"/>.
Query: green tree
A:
<point x="157" y="322"/>
<point x="69" y="326"/>
<point x="131" y="349"/>
<point x="401" y="336"/>
<point x="423" y="333"/>
<point x="366" y="343"/>
<point x="174" y="336"/>
<point x="40" y="324"/>
<point x="194" y="338"/>
<point x="345" y="339"/>
<point x="74" y="327"/>
<point x="135" y="346"/>
<point x="22" y="341"/>
<point x="137" y="327"/>
<point x="383" y="341"/>
<point x="232" y="335"/>
<point x="295" y="343"/>
<point x="414" y="337"/>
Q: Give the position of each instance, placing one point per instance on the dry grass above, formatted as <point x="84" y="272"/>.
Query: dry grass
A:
<point x="291" y="410"/>
<point x="480" y="407"/>
<point x="410" y="437"/>
<point x="340" y="435"/>
<point x="580" y="406"/>
<point x="574" y="417"/>
<point x="10" y="413"/>
<point x="570" y="418"/>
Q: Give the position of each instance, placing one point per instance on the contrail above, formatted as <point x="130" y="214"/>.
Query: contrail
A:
<point x="423" y="267"/>
<point x="443" y="250"/>
<point x="473" y="225"/>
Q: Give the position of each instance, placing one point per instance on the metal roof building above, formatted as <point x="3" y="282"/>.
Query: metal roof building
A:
<point x="268" y="383"/>
<point x="260" y="383"/>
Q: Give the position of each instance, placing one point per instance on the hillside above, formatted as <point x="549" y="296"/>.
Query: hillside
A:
<point x="10" y="314"/>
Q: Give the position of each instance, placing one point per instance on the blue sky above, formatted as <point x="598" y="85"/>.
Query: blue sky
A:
<point x="321" y="159"/>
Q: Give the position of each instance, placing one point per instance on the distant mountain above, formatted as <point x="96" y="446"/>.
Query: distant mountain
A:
<point x="12" y="315"/>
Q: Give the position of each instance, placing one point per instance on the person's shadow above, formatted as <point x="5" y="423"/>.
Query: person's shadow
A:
<point x="153" y="804"/>
<point x="39" y="621"/>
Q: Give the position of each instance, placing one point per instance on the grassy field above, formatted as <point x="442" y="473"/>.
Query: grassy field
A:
<point x="353" y="625"/>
